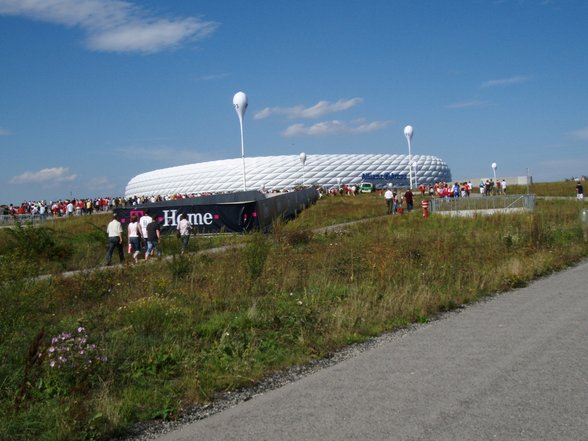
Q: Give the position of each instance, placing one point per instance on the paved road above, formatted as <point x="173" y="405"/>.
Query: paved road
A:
<point x="512" y="368"/>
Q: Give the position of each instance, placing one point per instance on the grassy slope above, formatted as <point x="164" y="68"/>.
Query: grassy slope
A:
<point x="173" y="333"/>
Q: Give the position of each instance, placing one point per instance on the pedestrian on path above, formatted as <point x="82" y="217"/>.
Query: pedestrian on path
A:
<point x="115" y="240"/>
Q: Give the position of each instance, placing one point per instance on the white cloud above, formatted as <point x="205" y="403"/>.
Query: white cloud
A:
<point x="334" y="128"/>
<point x="466" y="104"/>
<point x="112" y="25"/>
<point x="46" y="175"/>
<point x="581" y="134"/>
<point x="319" y="109"/>
<point x="4" y="132"/>
<point x="506" y="81"/>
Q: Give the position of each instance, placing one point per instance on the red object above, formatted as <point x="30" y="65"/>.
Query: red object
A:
<point x="425" y="205"/>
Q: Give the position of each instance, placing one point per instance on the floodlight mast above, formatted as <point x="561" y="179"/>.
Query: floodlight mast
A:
<point x="240" y="104"/>
<point x="303" y="161"/>
<point x="408" y="131"/>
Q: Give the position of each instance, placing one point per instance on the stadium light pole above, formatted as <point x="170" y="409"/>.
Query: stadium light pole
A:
<point x="240" y="104"/>
<point x="303" y="161"/>
<point x="408" y="131"/>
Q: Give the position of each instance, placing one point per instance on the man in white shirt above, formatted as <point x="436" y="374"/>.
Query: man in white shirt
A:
<point x="115" y="240"/>
<point x="184" y="229"/>
<point x="143" y="222"/>
<point x="389" y="196"/>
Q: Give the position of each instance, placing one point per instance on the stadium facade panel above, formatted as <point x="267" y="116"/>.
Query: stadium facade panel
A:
<point x="287" y="171"/>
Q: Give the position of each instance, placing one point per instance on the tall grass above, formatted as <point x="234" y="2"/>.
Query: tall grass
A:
<point x="172" y="334"/>
<point x="554" y="189"/>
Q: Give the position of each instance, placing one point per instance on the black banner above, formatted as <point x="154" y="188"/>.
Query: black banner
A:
<point x="230" y="213"/>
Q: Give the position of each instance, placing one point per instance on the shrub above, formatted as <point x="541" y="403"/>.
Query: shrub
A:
<point x="255" y="255"/>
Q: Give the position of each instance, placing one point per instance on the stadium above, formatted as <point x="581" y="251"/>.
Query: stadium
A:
<point x="275" y="173"/>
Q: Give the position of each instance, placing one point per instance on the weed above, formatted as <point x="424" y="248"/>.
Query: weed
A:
<point x="255" y="255"/>
<point x="179" y="266"/>
<point x="179" y="331"/>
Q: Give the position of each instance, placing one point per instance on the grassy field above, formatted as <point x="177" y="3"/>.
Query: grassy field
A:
<point x="86" y="357"/>
<point x="559" y="189"/>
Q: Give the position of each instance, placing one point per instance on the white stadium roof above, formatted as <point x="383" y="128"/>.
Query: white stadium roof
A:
<point x="287" y="171"/>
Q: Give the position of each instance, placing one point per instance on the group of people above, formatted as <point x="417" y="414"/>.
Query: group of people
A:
<point x="143" y="236"/>
<point x="394" y="201"/>
<point x="62" y="207"/>
<point x="490" y="187"/>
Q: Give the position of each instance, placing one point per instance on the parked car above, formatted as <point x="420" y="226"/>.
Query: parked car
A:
<point x="367" y="187"/>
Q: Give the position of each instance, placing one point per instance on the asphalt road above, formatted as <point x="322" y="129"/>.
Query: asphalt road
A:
<point x="514" y="367"/>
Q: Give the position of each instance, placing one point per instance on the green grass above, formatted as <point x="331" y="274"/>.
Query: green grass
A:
<point x="175" y="332"/>
<point x="560" y="188"/>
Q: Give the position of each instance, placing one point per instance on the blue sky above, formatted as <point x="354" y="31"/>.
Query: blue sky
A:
<point x="93" y="92"/>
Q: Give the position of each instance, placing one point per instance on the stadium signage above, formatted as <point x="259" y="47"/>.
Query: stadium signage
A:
<point x="223" y="213"/>
<point x="384" y="176"/>
<point x="171" y="218"/>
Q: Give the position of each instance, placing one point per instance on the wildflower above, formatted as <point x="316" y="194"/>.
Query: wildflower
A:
<point x="73" y="351"/>
<point x="299" y="302"/>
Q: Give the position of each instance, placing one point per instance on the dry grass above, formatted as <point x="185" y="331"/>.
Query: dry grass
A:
<point x="175" y="332"/>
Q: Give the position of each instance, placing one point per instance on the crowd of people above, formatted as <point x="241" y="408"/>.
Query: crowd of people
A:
<point x="85" y="206"/>
<point x="143" y="237"/>
<point x="82" y="206"/>
<point x="62" y="207"/>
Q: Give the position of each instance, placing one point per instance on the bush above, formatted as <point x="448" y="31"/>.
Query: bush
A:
<point x="255" y="255"/>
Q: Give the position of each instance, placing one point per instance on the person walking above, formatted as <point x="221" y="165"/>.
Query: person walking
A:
<point x="184" y="230"/>
<point x="408" y="197"/>
<point x="389" y="196"/>
<point x="145" y="220"/>
<point x="115" y="240"/>
<point x="153" y="238"/>
<point x="134" y="235"/>
<point x="579" y="191"/>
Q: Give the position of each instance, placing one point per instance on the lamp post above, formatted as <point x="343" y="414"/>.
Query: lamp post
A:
<point x="408" y="130"/>
<point x="303" y="161"/>
<point x="240" y="103"/>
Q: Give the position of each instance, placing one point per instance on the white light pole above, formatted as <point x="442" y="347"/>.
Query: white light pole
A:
<point x="303" y="161"/>
<point x="494" y="170"/>
<point x="240" y="103"/>
<point x="416" y="181"/>
<point x="408" y="133"/>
